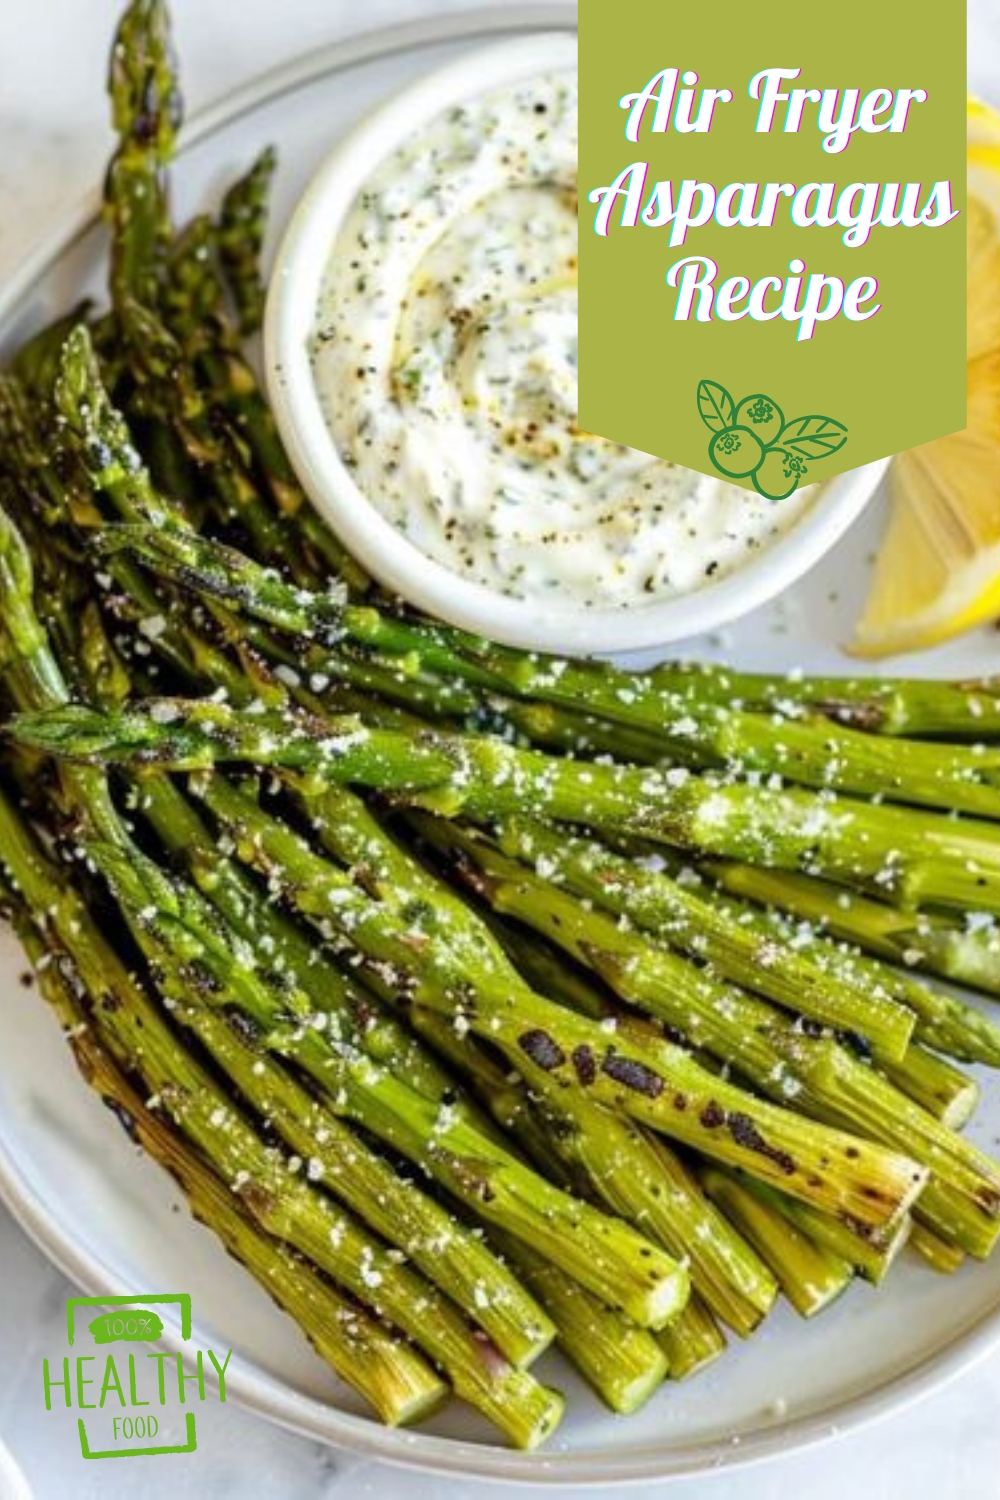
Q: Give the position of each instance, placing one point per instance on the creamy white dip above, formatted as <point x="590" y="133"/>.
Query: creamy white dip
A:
<point x="445" y="356"/>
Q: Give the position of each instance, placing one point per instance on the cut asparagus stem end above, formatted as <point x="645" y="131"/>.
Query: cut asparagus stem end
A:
<point x="532" y="1411"/>
<point x="911" y="940"/>
<point x="962" y="1176"/>
<point x="945" y="1092"/>
<point x="693" y="1341"/>
<point x="624" y="1364"/>
<point x="872" y="1256"/>
<point x="937" y="1253"/>
<point x="811" y="1277"/>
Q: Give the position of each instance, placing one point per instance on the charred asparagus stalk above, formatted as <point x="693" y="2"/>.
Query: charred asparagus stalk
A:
<point x="786" y="966"/>
<point x="603" y="1254"/>
<point x="757" y="1040"/>
<point x="146" y="109"/>
<point x="633" y="1172"/>
<point x="396" y="1380"/>
<point x="653" y="1082"/>
<point x="964" y="952"/>
<point x="282" y="1203"/>
<point x="811" y="1277"/>
<point x="818" y="754"/>
<point x="878" y="705"/>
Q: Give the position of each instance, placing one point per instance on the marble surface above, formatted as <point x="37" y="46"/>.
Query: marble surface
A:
<point x="54" y="133"/>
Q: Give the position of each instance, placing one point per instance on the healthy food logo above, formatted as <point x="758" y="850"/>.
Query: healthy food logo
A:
<point x="136" y="1397"/>
<point x="753" y="440"/>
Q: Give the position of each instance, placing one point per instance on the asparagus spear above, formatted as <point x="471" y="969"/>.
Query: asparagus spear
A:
<point x="36" y="364"/>
<point x="612" y="1259"/>
<point x="30" y="668"/>
<point x="750" y="951"/>
<point x="214" y="449"/>
<point x="193" y="309"/>
<point x="815" y="753"/>
<point x="968" y="954"/>
<point x="889" y="705"/>
<point x="146" y="110"/>
<point x="242" y="225"/>
<point x="947" y="1093"/>
<point x="279" y="1200"/>
<point x="33" y="471"/>
<point x="947" y="1023"/>
<point x="193" y="301"/>
<point x="694" y="926"/>
<point x="869" y="1259"/>
<point x="623" y="1363"/>
<point x="393" y="1377"/>
<point x="633" y="1172"/>
<point x="762" y="1044"/>
<point x="940" y="1254"/>
<point x="648" y="1183"/>
<point x="692" y="1341"/>
<point x="950" y="1095"/>
<point x="458" y="971"/>
<point x="930" y="1080"/>
<point x="912" y="857"/>
<point x="811" y="1276"/>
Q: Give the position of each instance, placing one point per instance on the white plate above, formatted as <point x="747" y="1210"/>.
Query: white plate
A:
<point x="107" y="1216"/>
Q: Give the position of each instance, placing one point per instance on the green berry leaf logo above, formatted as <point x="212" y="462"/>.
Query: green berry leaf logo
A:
<point x="716" y="405"/>
<point x="736" y="451"/>
<point x="763" y="416"/>
<point x="753" y="441"/>
<point x="814" y="437"/>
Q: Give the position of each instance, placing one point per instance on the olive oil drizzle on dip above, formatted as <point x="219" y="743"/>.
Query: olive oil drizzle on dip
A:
<point x="445" y="358"/>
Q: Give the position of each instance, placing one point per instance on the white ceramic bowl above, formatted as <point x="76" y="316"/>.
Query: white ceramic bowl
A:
<point x="548" y="625"/>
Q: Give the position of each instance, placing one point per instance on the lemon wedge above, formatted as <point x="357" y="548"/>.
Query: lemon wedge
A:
<point x="938" y="568"/>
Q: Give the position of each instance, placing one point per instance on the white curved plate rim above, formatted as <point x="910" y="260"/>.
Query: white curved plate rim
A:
<point x="250" y="1386"/>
